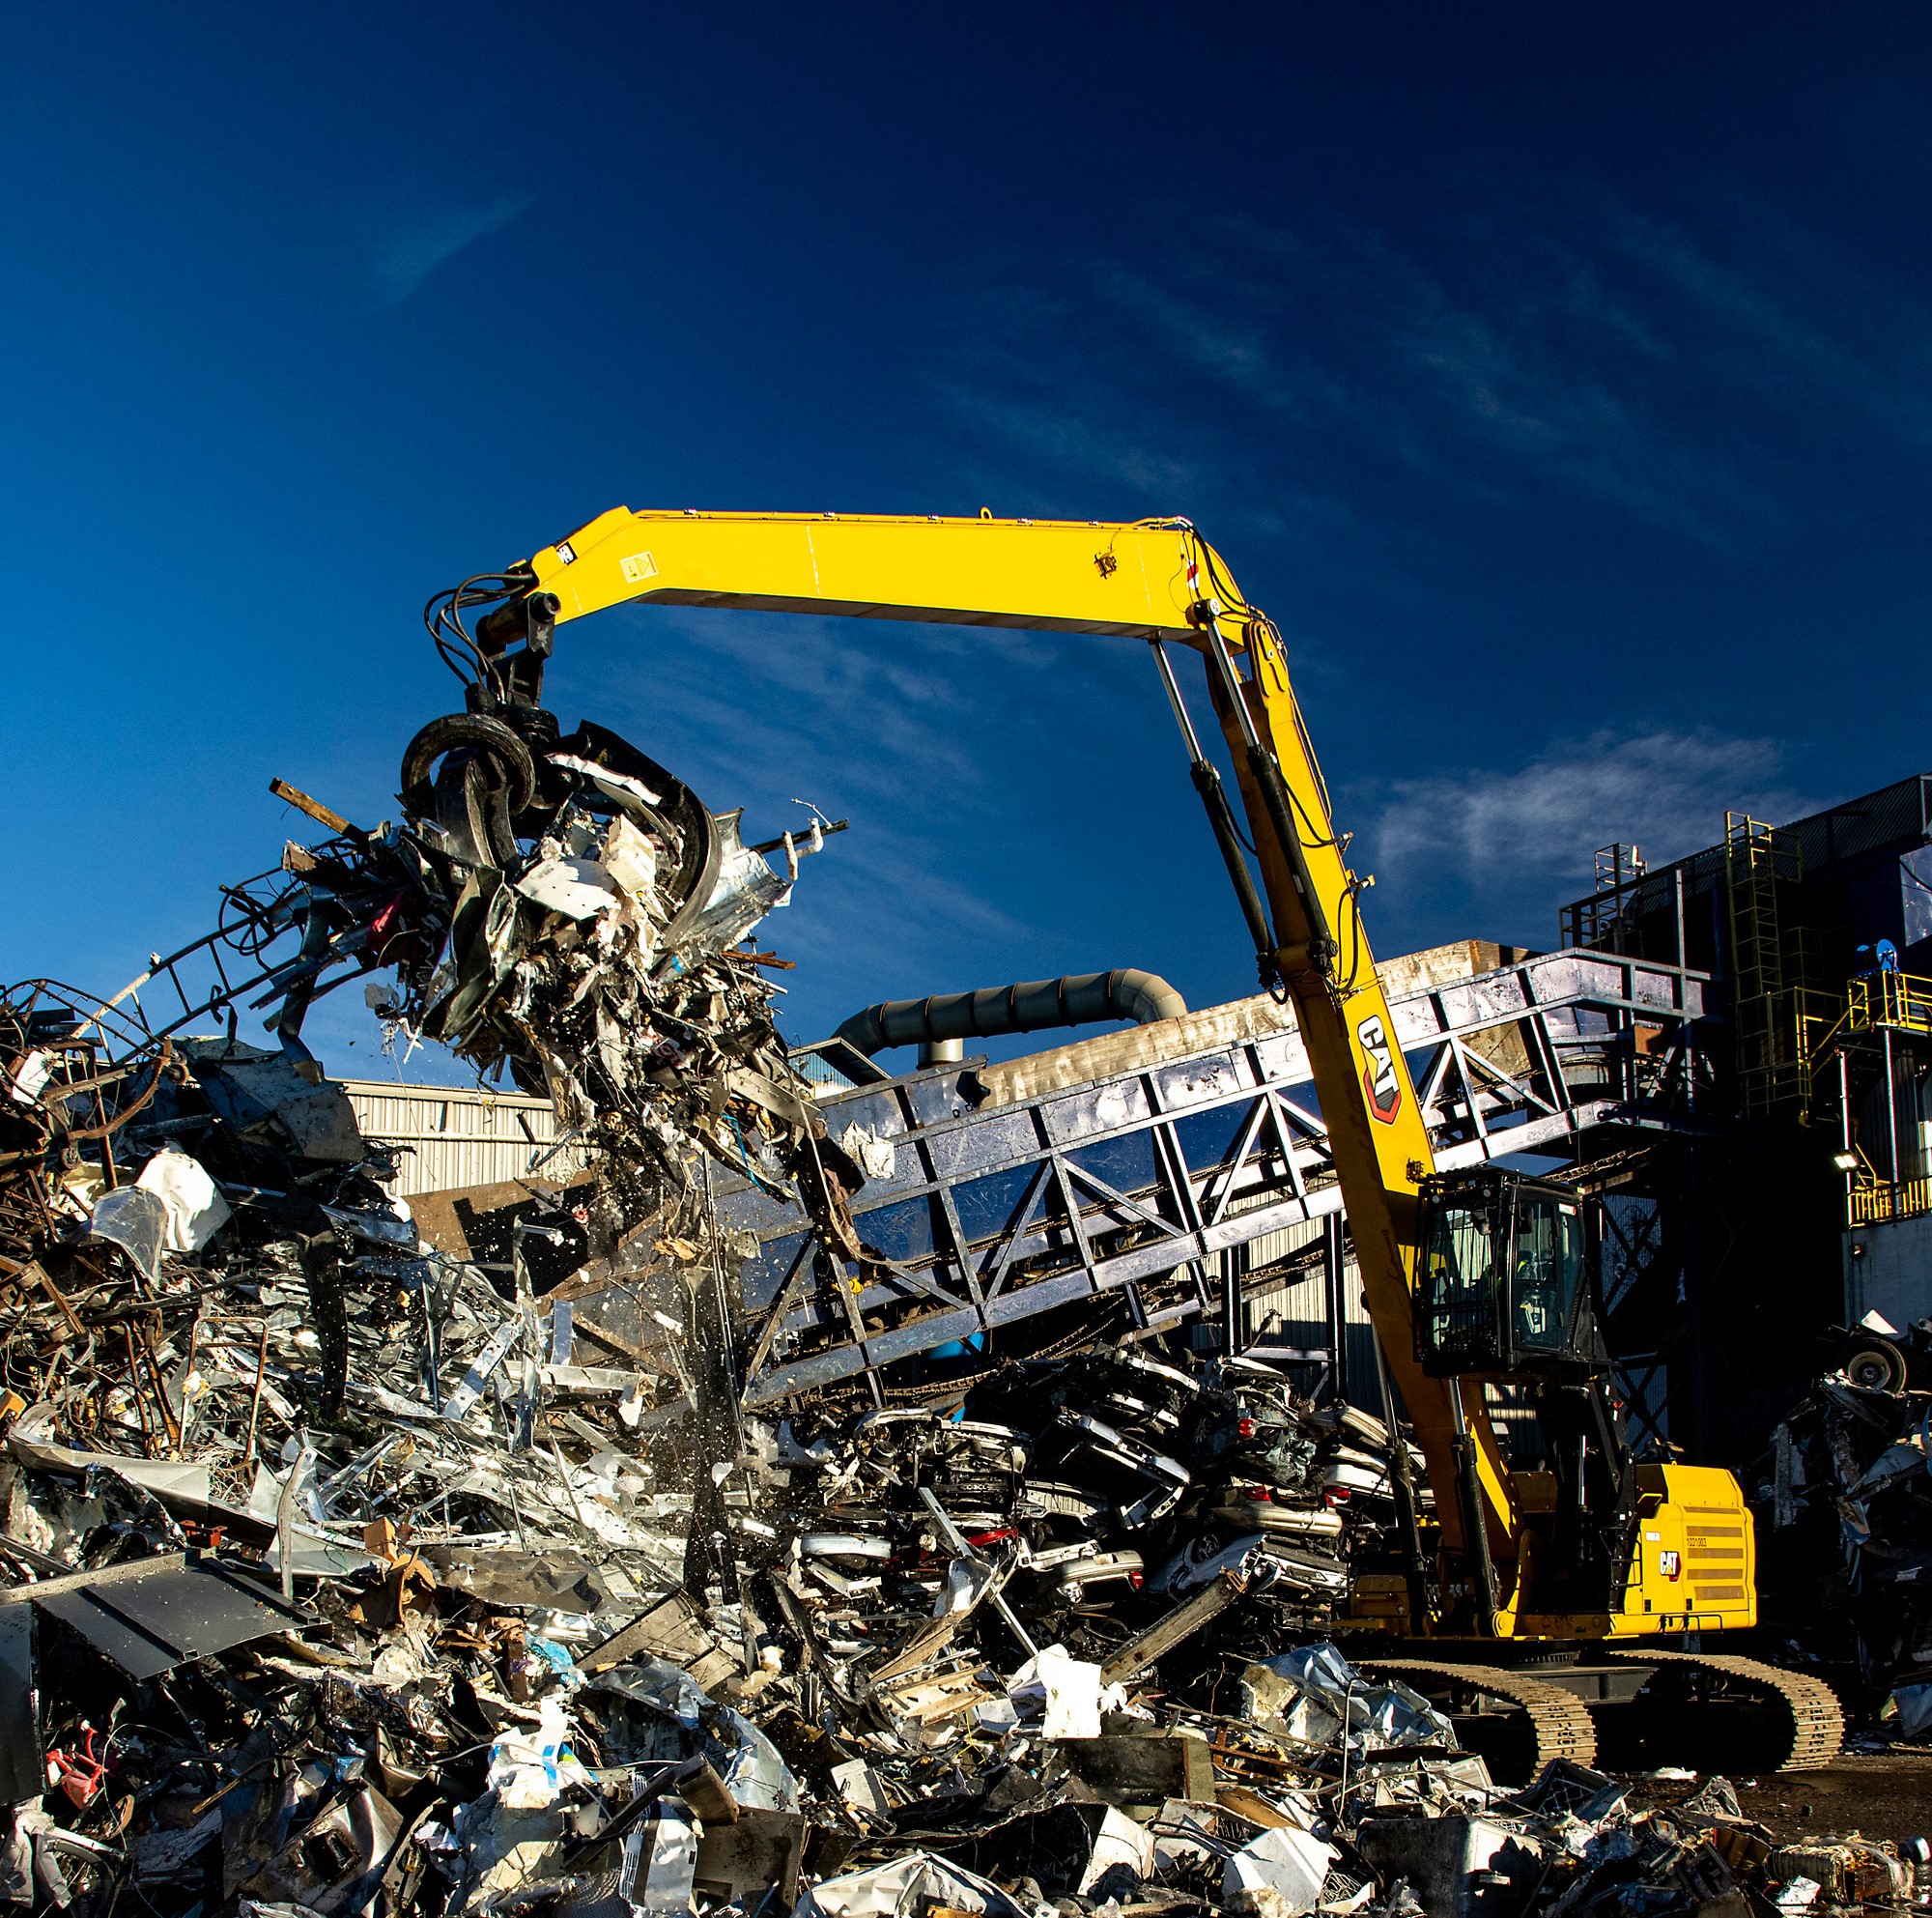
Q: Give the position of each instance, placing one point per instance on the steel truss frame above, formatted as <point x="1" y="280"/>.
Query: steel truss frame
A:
<point x="1138" y="1183"/>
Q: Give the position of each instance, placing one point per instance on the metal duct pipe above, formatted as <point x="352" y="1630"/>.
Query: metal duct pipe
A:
<point x="1087" y="998"/>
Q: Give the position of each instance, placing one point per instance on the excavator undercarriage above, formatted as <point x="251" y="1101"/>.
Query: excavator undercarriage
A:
<point x="1625" y="1710"/>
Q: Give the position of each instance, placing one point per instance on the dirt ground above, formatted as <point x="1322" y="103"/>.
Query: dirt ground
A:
<point x="1883" y="1794"/>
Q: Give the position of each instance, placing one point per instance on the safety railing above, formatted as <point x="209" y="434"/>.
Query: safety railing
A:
<point x="1895" y="999"/>
<point x="1780" y="1037"/>
<point x="1879" y="1204"/>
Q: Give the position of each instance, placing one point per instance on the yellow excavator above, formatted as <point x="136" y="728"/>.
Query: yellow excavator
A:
<point x="1473" y="1280"/>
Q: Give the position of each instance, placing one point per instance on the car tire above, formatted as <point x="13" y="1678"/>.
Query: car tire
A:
<point x="1876" y="1364"/>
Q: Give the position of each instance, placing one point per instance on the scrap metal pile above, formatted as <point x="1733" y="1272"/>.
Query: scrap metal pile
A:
<point x="363" y="1559"/>
<point x="351" y="1568"/>
<point x="361" y="1586"/>
<point x="1847" y="1503"/>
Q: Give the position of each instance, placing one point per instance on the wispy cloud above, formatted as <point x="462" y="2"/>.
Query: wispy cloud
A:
<point x="1662" y="790"/>
<point x="835" y="703"/>
<point x="1827" y="333"/>
<point x="1058" y="434"/>
<point x="1565" y="344"/>
<point x="414" y="249"/>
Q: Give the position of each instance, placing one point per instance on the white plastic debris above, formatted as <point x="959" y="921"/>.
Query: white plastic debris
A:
<point x="197" y="1209"/>
<point x="1067" y="1688"/>
<point x="29" y="1078"/>
<point x="873" y="1156"/>
<point x="631" y="860"/>
<point x="576" y="888"/>
<point x="528" y="1766"/>
<point x="1119" y="1840"/>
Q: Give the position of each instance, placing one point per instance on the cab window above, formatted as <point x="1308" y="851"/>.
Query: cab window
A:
<point x="1549" y="1270"/>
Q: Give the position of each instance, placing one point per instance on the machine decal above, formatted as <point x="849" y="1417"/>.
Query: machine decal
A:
<point x="1668" y="1565"/>
<point x="1378" y="1079"/>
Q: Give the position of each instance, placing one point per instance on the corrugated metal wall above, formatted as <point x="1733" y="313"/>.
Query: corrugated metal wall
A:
<point x="460" y="1136"/>
<point x="1302" y="1300"/>
<point x="1295" y="1311"/>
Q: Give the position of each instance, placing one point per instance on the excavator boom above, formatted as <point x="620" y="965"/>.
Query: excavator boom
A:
<point x="1159" y="582"/>
<point x="1068" y="576"/>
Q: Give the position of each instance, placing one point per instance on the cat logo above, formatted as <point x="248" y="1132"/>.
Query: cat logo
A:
<point x="1378" y="1079"/>
<point x="1669" y="1564"/>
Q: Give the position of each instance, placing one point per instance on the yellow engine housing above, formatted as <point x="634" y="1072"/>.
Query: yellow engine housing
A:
<point x="1693" y="1564"/>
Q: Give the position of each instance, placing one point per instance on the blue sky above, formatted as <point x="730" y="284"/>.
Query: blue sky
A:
<point x="1560" y="379"/>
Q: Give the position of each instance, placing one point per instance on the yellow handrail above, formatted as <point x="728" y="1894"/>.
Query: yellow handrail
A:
<point x="1873" y="1205"/>
<point x="1894" y="999"/>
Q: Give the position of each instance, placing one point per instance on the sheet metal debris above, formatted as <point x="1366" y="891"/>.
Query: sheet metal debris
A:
<point x="149" y="1615"/>
<point x="1845" y="1500"/>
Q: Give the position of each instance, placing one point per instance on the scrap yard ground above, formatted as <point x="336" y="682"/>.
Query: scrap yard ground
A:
<point x="1883" y="1795"/>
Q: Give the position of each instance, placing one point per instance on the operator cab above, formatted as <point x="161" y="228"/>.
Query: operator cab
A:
<point x="1506" y="1279"/>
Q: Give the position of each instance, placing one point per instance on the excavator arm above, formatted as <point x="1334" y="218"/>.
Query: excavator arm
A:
<point x="1156" y="581"/>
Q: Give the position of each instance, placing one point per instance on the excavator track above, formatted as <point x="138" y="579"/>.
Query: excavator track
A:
<point x="1816" y="1722"/>
<point x="1559" y="1722"/>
